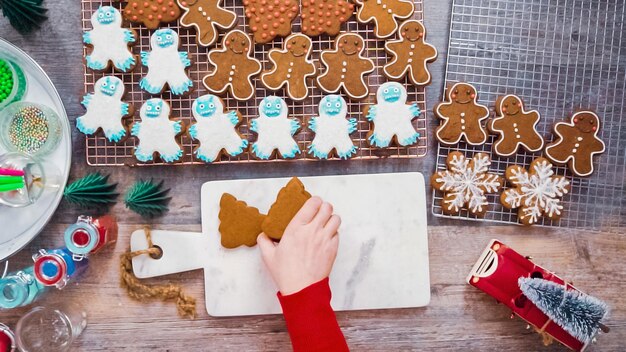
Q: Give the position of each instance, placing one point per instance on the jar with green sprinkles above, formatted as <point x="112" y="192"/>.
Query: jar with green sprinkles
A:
<point x="29" y="128"/>
<point x="12" y="83"/>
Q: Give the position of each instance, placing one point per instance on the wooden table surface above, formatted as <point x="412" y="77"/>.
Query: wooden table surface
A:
<point x="459" y="317"/>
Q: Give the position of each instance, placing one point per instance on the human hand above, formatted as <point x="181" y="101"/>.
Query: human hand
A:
<point x="307" y="250"/>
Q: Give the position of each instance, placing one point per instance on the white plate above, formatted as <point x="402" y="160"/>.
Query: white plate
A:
<point x="18" y="226"/>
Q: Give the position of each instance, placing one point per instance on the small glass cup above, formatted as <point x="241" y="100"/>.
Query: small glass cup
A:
<point x="35" y="179"/>
<point x="19" y="83"/>
<point x="11" y="122"/>
<point x="50" y="329"/>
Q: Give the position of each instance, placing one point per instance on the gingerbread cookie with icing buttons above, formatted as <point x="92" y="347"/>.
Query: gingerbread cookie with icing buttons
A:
<point x="461" y="116"/>
<point x="577" y="142"/>
<point x="325" y="16"/>
<point x="410" y="54"/>
<point x="346" y="67"/>
<point x="515" y="127"/>
<point x="207" y="17"/>
<point x="270" y="18"/>
<point x="384" y="13"/>
<point x="234" y="67"/>
<point x="151" y="13"/>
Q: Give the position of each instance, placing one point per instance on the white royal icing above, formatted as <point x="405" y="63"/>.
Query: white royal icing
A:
<point x="166" y="65"/>
<point x="275" y="130"/>
<point x="105" y="109"/>
<point x="156" y="132"/>
<point x="410" y="60"/>
<point x="392" y="118"/>
<point x="109" y="41"/>
<point x="332" y="129"/>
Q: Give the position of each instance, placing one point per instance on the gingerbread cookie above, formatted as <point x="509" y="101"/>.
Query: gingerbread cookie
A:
<point x="288" y="202"/>
<point x="462" y="116"/>
<point x="156" y="133"/>
<point x="234" y="66"/>
<point x="166" y="65"/>
<point x="270" y="18"/>
<point x="240" y="224"/>
<point x="206" y="16"/>
<point x="215" y="129"/>
<point x="275" y="130"/>
<point x="105" y="109"/>
<point x="535" y="193"/>
<point x="110" y="42"/>
<point x="324" y="16"/>
<point x="384" y="14"/>
<point x="410" y="54"/>
<point x="346" y="67"/>
<point x="465" y="183"/>
<point x="577" y="142"/>
<point x="332" y="129"/>
<point x="391" y="117"/>
<point x="292" y="67"/>
<point x="515" y="127"/>
<point x="151" y="12"/>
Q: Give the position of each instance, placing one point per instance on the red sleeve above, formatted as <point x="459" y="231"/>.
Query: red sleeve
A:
<point x="311" y="321"/>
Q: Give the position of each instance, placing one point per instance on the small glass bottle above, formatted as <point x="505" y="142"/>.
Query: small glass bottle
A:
<point x="50" y="329"/>
<point x="56" y="267"/>
<point x="19" y="289"/>
<point x="89" y="235"/>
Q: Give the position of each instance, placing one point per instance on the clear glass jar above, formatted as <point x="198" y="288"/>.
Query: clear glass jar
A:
<point x="50" y="329"/>
<point x="29" y="128"/>
<point x="19" y="83"/>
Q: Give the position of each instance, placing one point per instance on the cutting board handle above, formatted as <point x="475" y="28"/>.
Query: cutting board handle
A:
<point x="182" y="251"/>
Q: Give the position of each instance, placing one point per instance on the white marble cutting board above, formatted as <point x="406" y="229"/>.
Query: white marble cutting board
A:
<point x="383" y="251"/>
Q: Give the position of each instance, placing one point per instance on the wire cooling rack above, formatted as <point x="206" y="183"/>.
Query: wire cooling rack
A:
<point x="102" y="152"/>
<point x="559" y="56"/>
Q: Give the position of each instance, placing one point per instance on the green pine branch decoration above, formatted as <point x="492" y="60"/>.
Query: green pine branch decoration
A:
<point x="24" y="15"/>
<point x="92" y="190"/>
<point x="147" y="198"/>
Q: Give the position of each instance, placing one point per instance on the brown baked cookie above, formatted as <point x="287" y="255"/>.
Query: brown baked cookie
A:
<point x="151" y="12"/>
<point x="346" y="67"/>
<point x="324" y="16"/>
<point x="240" y="224"/>
<point x="292" y="67"/>
<point x="206" y="16"/>
<point x="577" y="142"/>
<point x="288" y="202"/>
<point x="461" y="116"/>
<point x="234" y="66"/>
<point x="410" y="54"/>
<point x="515" y="127"/>
<point x="270" y="18"/>
<point x="384" y="13"/>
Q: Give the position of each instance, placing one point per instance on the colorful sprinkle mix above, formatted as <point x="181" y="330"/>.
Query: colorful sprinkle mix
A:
<point x="6" y="80"/>
<point x="28" y="130"/>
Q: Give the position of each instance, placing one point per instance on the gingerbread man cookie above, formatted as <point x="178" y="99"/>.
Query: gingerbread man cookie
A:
<point x="292" y="67"/>
<point x="410" y="54"/>
<point x="234" y="66"/>
<point x="577" y="142"/>
<point x="206" y="16"/>
<point x="324" y="16"/>
<point x="515" y="127"/>
<point x="151" y="12"/>
<point x="346" y="67"/>
<point x="384" y="14"/>
<point x="462" y="116"/>
<point x="270" y="18"/>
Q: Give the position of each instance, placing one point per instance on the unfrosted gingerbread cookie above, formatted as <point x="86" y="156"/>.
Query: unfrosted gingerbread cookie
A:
<point x="577" y="142"/>
<point x="166" y="65"/>
<point x="288" y="202"/>
<point x="215" y="129"/>
<point x="105" y="109"/>
<point x="515" y="127"/>
<point x="391" y="117"/>
<point x="234" y="67"/>
<point x="292" y="67"/>
<point x="151" y="13"/>
<point x="325" y="16"/>
<point x="536" y="192"/>
<point x="110" y="41"/>
<point x="240" y="224"/>
<point x="156" y="132"/>
<point x="461" y="116"/>
<point x="275" y="130"/>
<point x="270" y="18"/>
<point x="332" y="129"/>
<point x="410" y="54"/>
<point x="207" y="17"/>
<point x="346" y="67"/>
<point x="384" y="13"/>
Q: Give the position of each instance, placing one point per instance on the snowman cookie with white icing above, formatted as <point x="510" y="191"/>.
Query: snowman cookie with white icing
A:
<point x="275" y="130"/>
<point x="156" y="133"/>
<point x="332" y="129"/>
<point x="215" y="129"/>
<point x="391" y="117"/>
<point x="105" y="109"/>
<point x="166" y="65"/>
<point x="110" y="42"/>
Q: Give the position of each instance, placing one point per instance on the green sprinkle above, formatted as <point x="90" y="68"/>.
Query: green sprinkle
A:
<point x="6" y="81"/>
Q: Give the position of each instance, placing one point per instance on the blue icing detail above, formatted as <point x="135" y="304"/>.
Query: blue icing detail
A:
<point x="145" y="57"/>
<point x="86" y="100"/>
<point x="182" y="89"/>
<point x="141" y="156"/>
<point x="255" y="150"/>
<point x="244" y="145"/>
<point x="109" y="85"/>
<point x="184" y="58"/>
<point x="126" y="64"/>
<point x="295" y="126"/>
<point x="177" y="126"/>
<point x="173" y="157"/>
<point x="254" y="126"/>
<point x="193" y="131"/>
<point x="87" y="38"/>
<point x="292" y="153"/>
<point x="392" y="92"/>
<point x="81" y="127"/>
<point x="331" y="105"/>
<point x="148" y="87"/>
<point x="124" y="107"/>
<point x="203" y="157"/>
<point x="410" y="140"/>
<point x="375" y="141"/>
<point x="205" y="106"/>
<point x="165" y="37"/>
<point x="117" y="136"/>
<point x="94" y="64"/>
<point x="415" y="111"/>
<point x="347" y="154"/>
<point x="316" y="153"/>
<point x="313" y="124"/>
<point x="129" y="36"/>
<point x="351" y="125"/>
<point x="371" y="113"/>
<point x="234" y="118"/>
<point x="272" y="106"/>
<point x="153" y="108"/>
<point x="106" y="14"/>
<point x="136" y="128"/>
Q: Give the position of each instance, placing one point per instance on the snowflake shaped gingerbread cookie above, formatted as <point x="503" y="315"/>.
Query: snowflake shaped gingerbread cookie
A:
<point x="275" y="130"/>
<point x="166" y="65"/>
<point x="332" y="129"/>
<point x="465" y="183"/>
<point x="535" y="193"/>
<point x="110" y="41"/>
